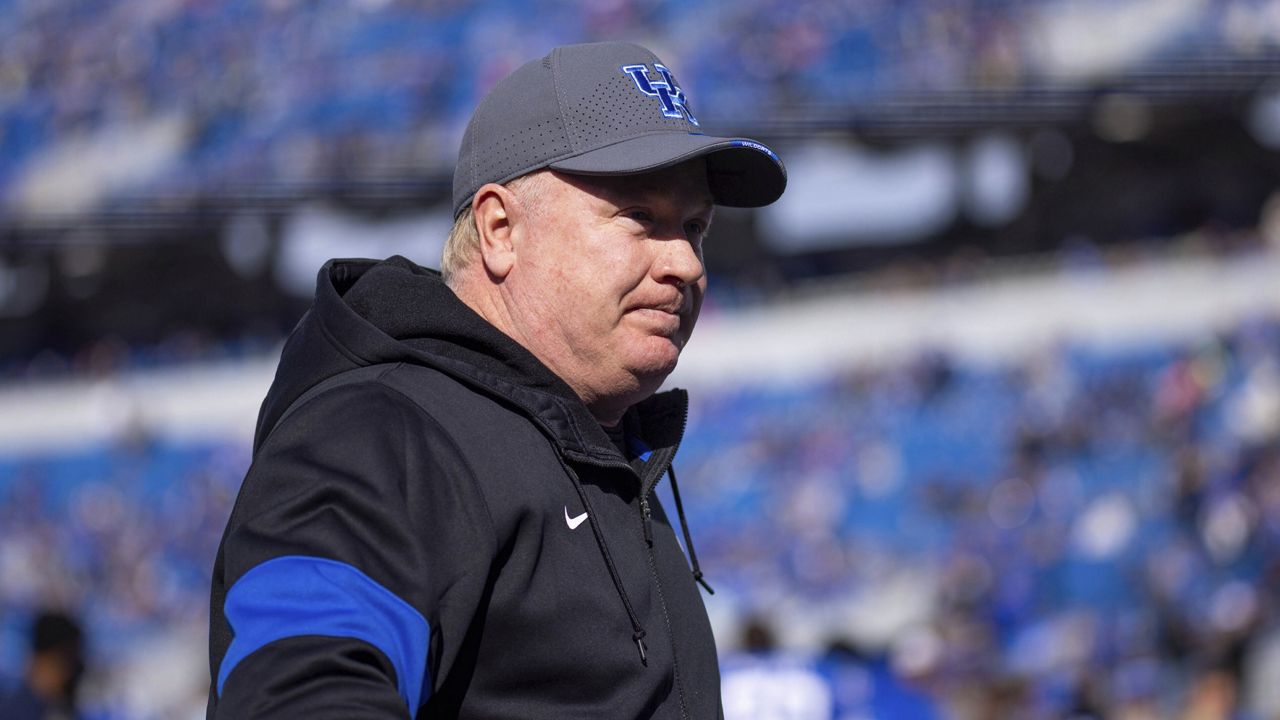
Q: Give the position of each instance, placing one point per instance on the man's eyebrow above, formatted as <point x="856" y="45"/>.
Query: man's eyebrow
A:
<point x="706" y="209"/>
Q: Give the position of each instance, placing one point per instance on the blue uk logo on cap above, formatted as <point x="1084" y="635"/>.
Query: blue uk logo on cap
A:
<point x="673" y="100"/>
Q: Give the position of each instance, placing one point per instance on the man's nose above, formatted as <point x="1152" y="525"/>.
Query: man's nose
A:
<point x="680" y="263"/>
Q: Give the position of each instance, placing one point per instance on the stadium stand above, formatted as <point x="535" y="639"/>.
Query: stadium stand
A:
<point x="158" y="103"/>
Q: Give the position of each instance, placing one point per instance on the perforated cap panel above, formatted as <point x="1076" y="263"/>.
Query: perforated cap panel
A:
<point x="513" y="131"/>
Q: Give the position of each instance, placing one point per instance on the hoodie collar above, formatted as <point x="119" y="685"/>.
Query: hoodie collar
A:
<point x="397" y="311"/>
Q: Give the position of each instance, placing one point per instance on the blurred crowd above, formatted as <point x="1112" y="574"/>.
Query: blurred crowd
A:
<point x="122" y="536"/>
<point x="104" y="103"/>
<point x="1086" y="533"/>
<point x="108" y="355"/>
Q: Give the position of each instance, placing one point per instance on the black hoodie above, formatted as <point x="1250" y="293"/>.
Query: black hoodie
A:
<point x="448" y="532"/>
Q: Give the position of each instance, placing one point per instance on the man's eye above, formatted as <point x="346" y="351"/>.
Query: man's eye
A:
<point x="640" y="216"/>
<point x="695" y="228"/>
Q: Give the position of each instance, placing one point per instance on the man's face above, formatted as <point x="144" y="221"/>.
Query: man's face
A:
<point x="610" y="275"/>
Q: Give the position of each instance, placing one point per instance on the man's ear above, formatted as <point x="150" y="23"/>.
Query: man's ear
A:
<point x="496" y="212"/>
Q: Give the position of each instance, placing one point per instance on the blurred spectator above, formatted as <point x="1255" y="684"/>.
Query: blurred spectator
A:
<point x="48" y="688"/>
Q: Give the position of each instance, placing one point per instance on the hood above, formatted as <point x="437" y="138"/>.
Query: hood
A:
<point x="368" y="312"/>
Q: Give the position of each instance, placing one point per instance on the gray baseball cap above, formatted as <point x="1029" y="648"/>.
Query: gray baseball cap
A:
<point x="604" y="109"/>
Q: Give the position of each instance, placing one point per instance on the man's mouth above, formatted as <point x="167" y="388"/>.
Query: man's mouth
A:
<point x="664" y="320"/>
<point x="675" y="306"/>
<point x="657" y="311"/>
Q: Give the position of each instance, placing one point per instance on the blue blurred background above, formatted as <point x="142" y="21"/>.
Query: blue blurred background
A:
<point x="986" y="412"/>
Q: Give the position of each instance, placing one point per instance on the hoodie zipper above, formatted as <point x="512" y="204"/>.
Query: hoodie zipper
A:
<point x="647" y="513"/>
<point x="646" y="516"/>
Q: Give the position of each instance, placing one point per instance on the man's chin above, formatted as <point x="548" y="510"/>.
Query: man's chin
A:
<point x="657" y="362"/>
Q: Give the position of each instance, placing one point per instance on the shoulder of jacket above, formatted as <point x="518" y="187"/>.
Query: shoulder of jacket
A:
<point x="371" y="408"/>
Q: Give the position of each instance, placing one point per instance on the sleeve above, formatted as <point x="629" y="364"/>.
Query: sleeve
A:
<point x="357" y="525"/>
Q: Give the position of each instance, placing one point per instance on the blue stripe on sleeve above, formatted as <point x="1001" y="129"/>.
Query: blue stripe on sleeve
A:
<point x="295" y="595"/>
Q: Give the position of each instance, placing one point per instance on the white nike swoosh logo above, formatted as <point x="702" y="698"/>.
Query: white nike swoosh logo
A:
<point x="573" y="522"/>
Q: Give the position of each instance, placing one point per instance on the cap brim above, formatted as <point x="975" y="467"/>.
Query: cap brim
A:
<point x="740" y="172"/>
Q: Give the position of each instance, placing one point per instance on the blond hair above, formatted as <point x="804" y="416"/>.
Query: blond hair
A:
<point x="463" y="243"/>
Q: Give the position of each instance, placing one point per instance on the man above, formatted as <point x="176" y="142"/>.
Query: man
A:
<point x="450" y="511"/>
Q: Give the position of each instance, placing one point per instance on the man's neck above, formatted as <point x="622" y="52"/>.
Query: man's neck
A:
<point x="485" y="301"/>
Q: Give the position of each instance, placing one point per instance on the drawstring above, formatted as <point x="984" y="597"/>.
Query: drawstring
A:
<point x="684" y="527"/>
<point x="638" y="633"/>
